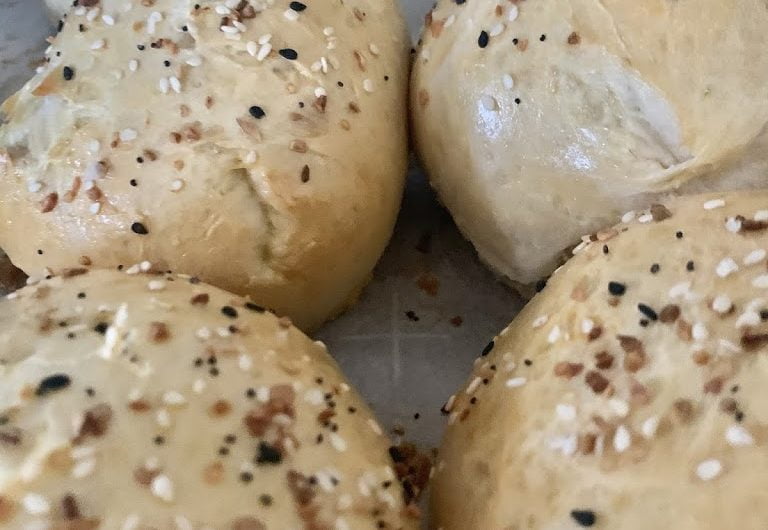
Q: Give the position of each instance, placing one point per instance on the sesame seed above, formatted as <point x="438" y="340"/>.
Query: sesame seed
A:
<point x="709" y="469"/>
<point x="516" y="382"/>
<point x="733" y="224"/>
<point x="622" y="439"/>
<point x="726" y="267"/>
<point x="368" y="85"/>
<point x="257" y="112"/>
<point x="554" y="334"/>
<point x="162" y="488"/>
<point x="616" y="288"/>
<point x="565" y="412"/>
<point x="761" y="215"/>
<point x="540" y="321"/>
<point x="737" y="436"/>
<point x="133" y="65"/>
<point x="291" y="15"/>
<point x="497" y="29"/>
<point x="128" y="135"/>
<point x="264" y="51"/>
<point x="139" y="228"/>
<point x="288" y="53"/>
<point x="175" y="84"/>
<point x="98" y="44"/>
<point x="35" y="504"/>
<point x="297" y="6"/>
<point x="512" y="13"/>
<point x="52" y="383"/>
<point x="194" y="60"/>
<point x="754" y="257"/>
<point x="109" y="20"/>
<point x="713" y="204"/>
<point x="508" y="81"/>
<point x="252" y="48"/>
<point x="699" y="331"/>
<point x="68" y="73"/>
<point x="584" y="517"/>
<point x="760" y="281"/>
<point x="337" y="442"/>
<point x="722" y="304"/>
<point x="482" y="40"/>
<point x="649" y="427"/>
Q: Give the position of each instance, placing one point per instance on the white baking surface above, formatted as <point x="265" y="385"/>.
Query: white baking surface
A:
<point x="400" y="365"/>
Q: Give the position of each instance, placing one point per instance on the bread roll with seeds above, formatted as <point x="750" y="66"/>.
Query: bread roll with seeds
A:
<point x="152" y="401"/>
<point x="542" y="121"/>
<point x="260" y="146"/>
<point x="631" y="392"/>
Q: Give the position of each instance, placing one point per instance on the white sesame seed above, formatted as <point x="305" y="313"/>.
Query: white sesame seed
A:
<point x="175" y="84"/>
<point x="245" y="362"/>
<point x="80" y="11"/>
<point x="328" y="31"/>
<point x="374" y="49"/>
<point x="733" y="224"/>
<point x="156" y="285"/>
<point x="252" y="48"/>
<point x="709" y="469"/>
<point x="567" y="445"/>
<point x="341" y="524"/>
<point x="92" y="14"/>
<point x="145" y="266"/>
<point x="508" y="81"/>
<point x="368" y="85"/>
<point x="264" y="39"/>
<point x="726" y="267"/>
<point x="109" y="20"/>
<point x="650" y="426"/>
<point x="177" y="185"/>
<point x="291" y="15"/>
<point x="554" y="335"/>
<point x="320" y="92"/>
<point x="374" y="426"/>
<point x="722" y="304"/>
<point x="760" y="281"/>
<point x="230" y="30"/>
<point x="540" y="321"/>
<point x="152" y="21"/>
<point x="737" y="436"/>
<point x="35" y="504"/>
<point x="173" y="398"/>
<point x="645" y="218"/>
<point x="163" y="418"/>
<point x="264" y="51"/>
<point x="133" y="65"/>
<point x="619" y="407"/>
<point x="516" y="382"/>
<point x="239" y="25"/>
<point x="497" y="29"/>
<point x="162" y="488"/>
<point x="587" y="325"/>
<point x="449" y="404"/>
<point x="699" y="331"/>
<point x="474" y="385"/>
<point x="628" y="217"/>
<point x="749" y="317"/>
<point x="263" y="393"/>
<point x="449" y="21"/>
<point x="128" y="135"/>
<point x="565" y="412"/>
<point x="513" y="12"/>
<point x="338" y="442"/>
<point x="194" y="60"/>
<point x="82" y="451"/>
<point x="199" y="386"/>
<point x="95" y="208"/>
<point x="714" y="203"/>
<point x="754" y="257"/>
<point x="98" y="44"/>
<point x="164" y="85"/>
<point x="314" y="396"/>
<point x="251" y="157"/>
<point x="622" y="439"/>
<point x="221" y="9"/>
<point x="84" y="468"/>
<point x="761" y="215"/>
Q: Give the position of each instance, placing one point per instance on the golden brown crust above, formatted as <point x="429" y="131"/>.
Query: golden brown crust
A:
<point x="216" y="141"/>
<point x="630" y="392"/>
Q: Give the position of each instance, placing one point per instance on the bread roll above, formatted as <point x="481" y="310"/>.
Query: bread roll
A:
<point x="631" y="392"/>
<point x="542" y="121"/>
<point x="154" y="401"/>
<point x="259" y="147"/>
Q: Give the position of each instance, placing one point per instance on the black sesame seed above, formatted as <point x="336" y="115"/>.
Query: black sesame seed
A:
<point x="655" y="268"/>
<point x="459" y="2"/>
<point x="141" y="47"/>
<point x="140" y="160"/>
<point x="53" y="383"/>
<point x="482" y="40"/>
<point x="265" y="500"/>
<point x="517" y="101"/>
<point x="68" y="72"/>
<point x="253" y="307"/>
<point x="689" y="266"/>
<point x="159" y="440"/>
<point x="605" y="249"/>
<point x="70" y="335"/>
<point x="81" y="295"/>
<point x="289" y="53"/>
<point x="60" y="26"/>
<point x="647" y="311"/>
<point x="297" y="6"/>
<point x="487" y="349"/>
<point x="250" y="393"/>
<point x="616" y="288"/>
<point x="515" y="41"/>
<point x="184" y="28"/>
<point x="257" y="112"/>
<point x="223" y="451"/>
<point x="90" y="392"/>
<point x="167" y="63"/>
<point x="245" y="476"/>
<point x="39" y="252"/>
<point x="214" y="371"/>
<point x="584" y="517"/>
<point x="230" y="438"/>
<point x="268" y="454"/>
<point x="543" y="38"/>
<point x="133" y="182"/>
<point x="739" y="416"/>
<point x="764" y="314"/>
<point x="138" y="228"/>
<point x="229" y="311"/>
<point x="528" y="362"/>
<point x="101" y="328"/>
<point x="199" y="361"/>
<point x="679" y="234"/>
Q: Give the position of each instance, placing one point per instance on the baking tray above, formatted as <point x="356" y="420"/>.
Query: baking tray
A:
<point x="430" y="308"/>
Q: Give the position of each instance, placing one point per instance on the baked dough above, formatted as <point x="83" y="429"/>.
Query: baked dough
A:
<point x="631" y="392"/>
<point x="576" y="111"/>
<point x="155" y="401"/>
<point x="259" y="147"/>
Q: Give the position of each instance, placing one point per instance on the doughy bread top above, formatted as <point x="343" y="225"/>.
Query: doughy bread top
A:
<point x="541" y="121"/>
<point x="630" y="393"/>
<point x="258" y="145"/>
<point x="155" y="401"/>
